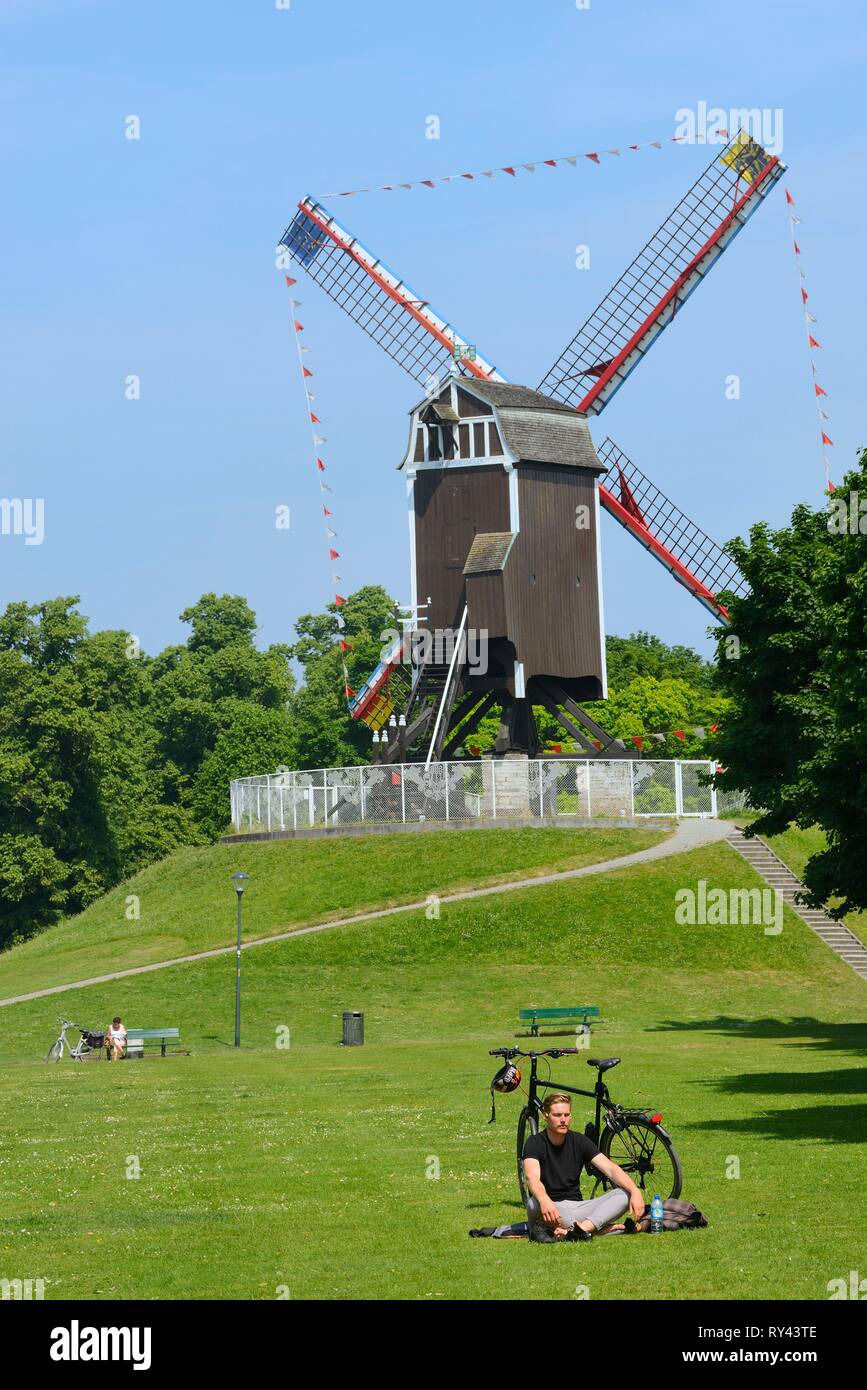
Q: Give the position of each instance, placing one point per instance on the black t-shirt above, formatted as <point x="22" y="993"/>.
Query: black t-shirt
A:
<point x="561" y="1164"/>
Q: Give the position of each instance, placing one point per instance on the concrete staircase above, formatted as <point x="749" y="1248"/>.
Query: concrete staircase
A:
<point x="772" y="869"/>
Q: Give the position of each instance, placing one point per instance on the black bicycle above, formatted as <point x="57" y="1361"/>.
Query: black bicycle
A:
<point x="630" y="1136"/>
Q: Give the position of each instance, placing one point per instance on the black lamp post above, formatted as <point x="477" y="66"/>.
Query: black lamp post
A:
<point x="240" y="882"/>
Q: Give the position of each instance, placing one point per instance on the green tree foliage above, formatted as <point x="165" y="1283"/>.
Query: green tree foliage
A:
<point x="648" y="705"/>
<point x="792" y="663"/>
<point x="80" y="785"/>
<point x="110" y="758"/>
<point x="641" y="654"/>
<point x="220" y="708"/>
<point x="324" y="732"/>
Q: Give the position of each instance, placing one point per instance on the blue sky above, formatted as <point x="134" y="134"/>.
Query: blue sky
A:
<point x="156" y="257"/>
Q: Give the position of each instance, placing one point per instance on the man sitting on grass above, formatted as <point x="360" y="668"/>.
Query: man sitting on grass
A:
<point x="553" y="1161"/>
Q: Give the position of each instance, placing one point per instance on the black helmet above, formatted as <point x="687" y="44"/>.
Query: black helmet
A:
<point x="508" y="1078"/>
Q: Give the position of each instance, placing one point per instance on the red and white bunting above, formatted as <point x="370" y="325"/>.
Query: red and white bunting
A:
<point x="700" y="730"/>
<point x="317" y="440"/>
<point x="812" y="344"/>
<point x="594" y="157"/>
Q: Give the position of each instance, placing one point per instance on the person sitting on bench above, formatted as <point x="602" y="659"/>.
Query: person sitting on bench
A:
<point x="553" y="1161"/>
<point x="115" y="1040"/>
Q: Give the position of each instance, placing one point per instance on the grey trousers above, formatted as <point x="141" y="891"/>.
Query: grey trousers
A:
<point x="600" y="1210"/>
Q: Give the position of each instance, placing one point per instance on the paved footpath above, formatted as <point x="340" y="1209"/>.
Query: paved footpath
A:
<point x="690" y="834"/>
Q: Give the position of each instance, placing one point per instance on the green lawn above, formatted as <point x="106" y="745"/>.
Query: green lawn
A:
<point x="305" y="1169"/>
<point x="187" y="904"/>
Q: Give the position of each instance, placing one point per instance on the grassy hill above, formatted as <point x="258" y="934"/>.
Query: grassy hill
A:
<point x="186" y="903"/>
<point x="303" y="1170"/>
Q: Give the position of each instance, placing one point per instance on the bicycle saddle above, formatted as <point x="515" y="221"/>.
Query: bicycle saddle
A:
<point x="604" y="1064"/>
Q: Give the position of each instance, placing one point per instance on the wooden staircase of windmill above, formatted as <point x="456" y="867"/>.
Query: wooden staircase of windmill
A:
<point x="772" y="869"/>
<point x="427" y="694"/>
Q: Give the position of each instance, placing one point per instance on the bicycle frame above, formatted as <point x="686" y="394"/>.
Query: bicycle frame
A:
<point x="599" y="1093"/>
<point x="77" y="1051"/>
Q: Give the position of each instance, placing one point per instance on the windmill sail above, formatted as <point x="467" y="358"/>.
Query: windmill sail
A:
<point x="650" y="291"/>
<point x="423" y="343"/>
<point x="678" y="543"/>
<point x="386" y="307"/>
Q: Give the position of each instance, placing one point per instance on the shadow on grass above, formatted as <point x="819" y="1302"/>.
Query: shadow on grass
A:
<point x="803" y="1032"/>
<point x="838" y="1124"/>
<point x="851" y="1082"/>
<point x="486" y="1206"/>
<point x="835" y="1123"/>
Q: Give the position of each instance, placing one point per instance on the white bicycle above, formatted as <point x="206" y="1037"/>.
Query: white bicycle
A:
<point x="87" y="1044"/>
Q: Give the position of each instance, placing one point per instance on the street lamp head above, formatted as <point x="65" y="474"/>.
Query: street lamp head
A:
<point x="240" y="882"/>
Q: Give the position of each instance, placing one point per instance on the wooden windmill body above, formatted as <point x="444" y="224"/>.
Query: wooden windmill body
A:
<point x="502" y="488"/>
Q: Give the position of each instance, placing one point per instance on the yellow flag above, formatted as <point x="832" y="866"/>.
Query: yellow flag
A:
<point x="746" y="157"/>
<point x="378" y="712"/>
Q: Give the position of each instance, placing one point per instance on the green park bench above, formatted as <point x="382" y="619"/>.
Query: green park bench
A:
<point x="579" y="1016"/>
<point x="137" y="1039"/>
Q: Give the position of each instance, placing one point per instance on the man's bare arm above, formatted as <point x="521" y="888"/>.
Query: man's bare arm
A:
<point x="615" y="1174"/>
<point x="533" y="1174"/>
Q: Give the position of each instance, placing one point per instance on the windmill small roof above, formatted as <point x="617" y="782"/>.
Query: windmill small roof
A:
<point x="489" y="552"/>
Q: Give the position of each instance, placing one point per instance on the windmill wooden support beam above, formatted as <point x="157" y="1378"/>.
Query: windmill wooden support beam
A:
<point x="463" y="730"/>
<point x="566" y="723"/>
<point x="556" y="697"/>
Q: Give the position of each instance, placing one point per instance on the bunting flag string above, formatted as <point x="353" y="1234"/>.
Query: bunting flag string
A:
<point x="512" y="170"/>
<point x="317" y="441"/>
<point x="639" y="740"/>
<point x="819" y="392"/>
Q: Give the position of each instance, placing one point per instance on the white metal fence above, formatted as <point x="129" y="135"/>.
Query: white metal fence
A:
<point x="502" y="789"/>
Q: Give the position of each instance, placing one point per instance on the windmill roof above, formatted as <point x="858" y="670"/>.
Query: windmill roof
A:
<point x="538" y="436"/>
<point x="503" y="393"/>
<point x="489" y="552"/>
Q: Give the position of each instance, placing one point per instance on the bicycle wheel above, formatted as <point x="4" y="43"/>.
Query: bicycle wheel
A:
<point x="644" y="1151"/>
<point x="527" y="1124"/>
<point x="56" y="1052"/>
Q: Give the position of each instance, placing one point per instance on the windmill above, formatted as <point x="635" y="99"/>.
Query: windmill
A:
<point x="497" y="475"/>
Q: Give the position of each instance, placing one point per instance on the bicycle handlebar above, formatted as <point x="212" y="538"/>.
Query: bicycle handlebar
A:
<point x="509" y="1052"/>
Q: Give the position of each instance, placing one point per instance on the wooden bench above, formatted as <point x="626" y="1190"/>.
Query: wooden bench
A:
<point x="579" y="1016"/>
<point x="137" y="1039"/>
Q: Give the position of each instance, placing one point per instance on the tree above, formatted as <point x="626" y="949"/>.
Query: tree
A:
<point x="220" y="708"/>
<point x="80" y="788"/>
<point x="110" y="758"/>
<point x="648" y="705"/>
<point x="792" y="663"/>
<point x="642" y="654"/>
<point x="324" y="732"/>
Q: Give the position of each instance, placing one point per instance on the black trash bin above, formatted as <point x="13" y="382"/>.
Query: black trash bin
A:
<point x="353" y="1028"/>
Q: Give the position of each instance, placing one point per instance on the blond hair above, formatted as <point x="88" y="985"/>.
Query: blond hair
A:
<point x="554" y="1100"/>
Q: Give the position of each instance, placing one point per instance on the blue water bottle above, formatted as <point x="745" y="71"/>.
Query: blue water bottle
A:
<point x="656" y="1215"/>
